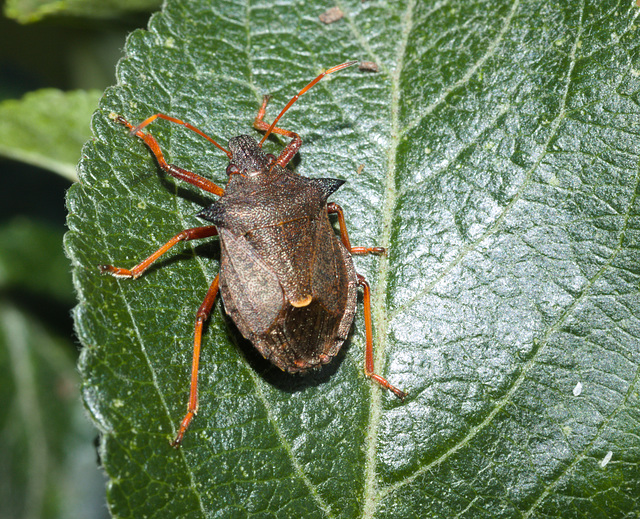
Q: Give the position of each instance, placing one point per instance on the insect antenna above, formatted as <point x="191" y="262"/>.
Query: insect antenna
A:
<point x="148" y="120"/>
<point x="295" y="98"/>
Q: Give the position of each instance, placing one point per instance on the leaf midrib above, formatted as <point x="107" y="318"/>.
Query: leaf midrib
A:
<point x="374" y="495"/>
<point x="370" y="489"/>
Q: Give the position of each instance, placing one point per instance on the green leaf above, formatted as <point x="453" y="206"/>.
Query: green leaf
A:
<point x="47" y="460"/>
<point x="29" y="11"/>
<point x="47" y="128"/>
<point x="500" y="150"/>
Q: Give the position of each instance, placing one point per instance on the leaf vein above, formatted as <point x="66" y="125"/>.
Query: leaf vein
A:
<point x="156" y="386"/>
<point x="491" y="50"/>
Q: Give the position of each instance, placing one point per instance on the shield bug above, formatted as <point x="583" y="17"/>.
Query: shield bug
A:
<point x="286" y="279"/>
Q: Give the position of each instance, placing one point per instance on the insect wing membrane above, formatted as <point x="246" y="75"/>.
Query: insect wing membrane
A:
<point x="250" y="289"/>
<point x="288" y="250"/>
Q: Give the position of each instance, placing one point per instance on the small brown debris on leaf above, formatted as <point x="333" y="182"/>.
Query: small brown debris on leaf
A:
<point x="360" y="169"/>
<point x="370" y="66"/>
<point x="331" y="15"/>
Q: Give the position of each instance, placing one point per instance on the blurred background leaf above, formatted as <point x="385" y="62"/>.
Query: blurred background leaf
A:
<point x="46" y="128"/>
<point x="31" y="260"/>
<point x="501" y="169"/>
<point x="28" y="11"/>
<point x="47" y="457"/>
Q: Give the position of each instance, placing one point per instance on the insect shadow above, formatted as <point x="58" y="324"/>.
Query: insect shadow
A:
<point x="282" y="380"/>
<point x="337" y="129"/>
<point x="173" y="188"/>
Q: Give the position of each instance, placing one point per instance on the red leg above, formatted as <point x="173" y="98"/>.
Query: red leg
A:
<point x="201" y="316"/>
<point x="186" y="235"/>
<point x="368" y="358"/>
<point x="333" y="208"/>
<point x="174" y="171"/>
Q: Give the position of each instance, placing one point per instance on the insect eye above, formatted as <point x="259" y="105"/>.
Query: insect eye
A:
<point x="271" y="158"/>
<point x="232" y="169"/>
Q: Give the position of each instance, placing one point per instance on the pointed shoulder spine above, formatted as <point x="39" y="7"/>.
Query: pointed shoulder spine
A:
<point x="327" y="186"/>
<point x="213" y="213"/>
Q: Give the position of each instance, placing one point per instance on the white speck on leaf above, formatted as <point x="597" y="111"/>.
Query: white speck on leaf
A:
<point x="606" y="459"/>
<point x="578" y="389"/>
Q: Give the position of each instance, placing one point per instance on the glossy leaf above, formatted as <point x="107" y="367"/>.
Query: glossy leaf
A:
<point x="500" y="151"/>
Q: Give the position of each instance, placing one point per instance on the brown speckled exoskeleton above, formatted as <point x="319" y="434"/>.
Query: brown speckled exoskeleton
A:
<point x="285" y="278"/>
